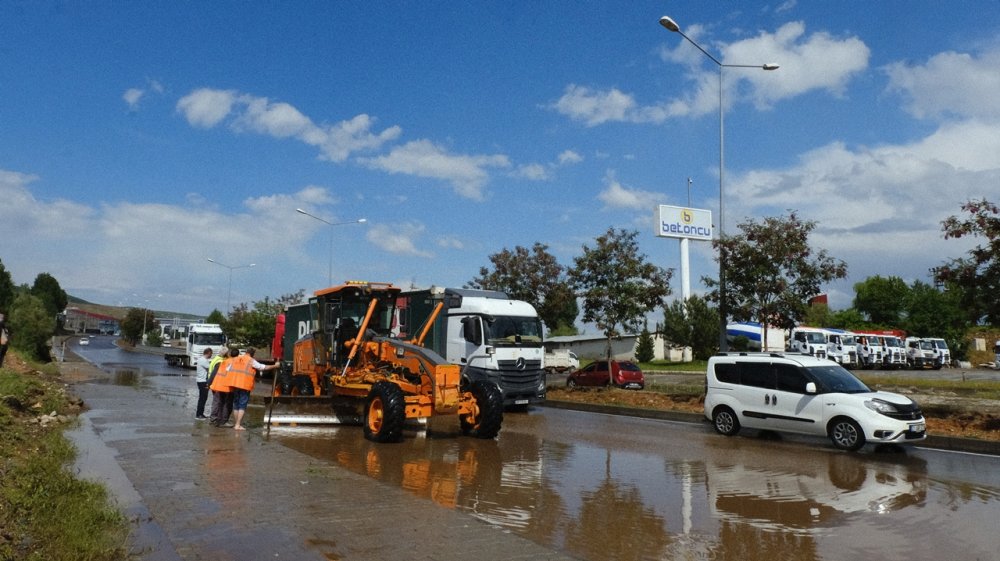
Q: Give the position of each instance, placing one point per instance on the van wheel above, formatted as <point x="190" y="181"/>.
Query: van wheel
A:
<point x="846" y="434"/>
<point x="570" y="383"/>
<point x="725" y="421"/>
<point x="385" y="413"/>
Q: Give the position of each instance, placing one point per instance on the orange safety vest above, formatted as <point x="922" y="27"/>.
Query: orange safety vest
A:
<point x="241" y="373"/>
<point x="221" y="381"/>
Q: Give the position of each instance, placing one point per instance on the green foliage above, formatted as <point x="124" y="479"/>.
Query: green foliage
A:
<point x="255" y="327"/>
<point x="975" y="278"/>
<point x="47" y="289"/>
<point x="535" y="276"/>
<point x="154" y="339"/>
<point x="31" y="326"/>
<point x="692" y="323"/>
<point x="216" y="317"/>
<point x="6" y="289"/>
<point x="881" y="299"/>
<point x="644" y="351"/>
<point x="137" y="319"/>
<point x="618" y="286"/>
<point x="933" y="313"/>
<point x="772" y="271"/>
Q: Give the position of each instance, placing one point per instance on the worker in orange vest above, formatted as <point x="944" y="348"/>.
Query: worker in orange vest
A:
<point x="222" y="397"/>
<point x="242" y="371"/>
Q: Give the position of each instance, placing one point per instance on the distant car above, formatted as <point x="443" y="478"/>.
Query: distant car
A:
<point x="84" y="341"/>
<point x="621" y="373"/>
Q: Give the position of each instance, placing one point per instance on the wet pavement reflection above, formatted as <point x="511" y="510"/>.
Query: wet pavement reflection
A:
<point x="602" y="487"/>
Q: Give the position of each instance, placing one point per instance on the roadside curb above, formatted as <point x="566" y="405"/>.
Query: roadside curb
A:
<point x="950" y="443"/>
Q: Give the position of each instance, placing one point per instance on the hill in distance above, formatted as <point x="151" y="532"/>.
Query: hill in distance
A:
<point x="119" y="312"/>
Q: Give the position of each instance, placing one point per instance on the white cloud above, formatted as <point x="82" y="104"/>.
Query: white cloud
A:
<point x="467" y="174"/>
<point x="450" y="242"/>
<point x="534" y="172"/>
<point x="400" y="239"/>
<point x="132" y="96"/>
<point x="815" y="62"/>
<point x="949" y="85"/>
<point x="616" y="195"/>
<point x="569" y="157"/>
<point x="207" y="108"/>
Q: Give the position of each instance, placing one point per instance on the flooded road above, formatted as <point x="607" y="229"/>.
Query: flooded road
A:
<point x="600" y="487"/>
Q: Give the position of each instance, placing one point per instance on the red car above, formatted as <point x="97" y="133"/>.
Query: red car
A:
<point x="622" y="373"/>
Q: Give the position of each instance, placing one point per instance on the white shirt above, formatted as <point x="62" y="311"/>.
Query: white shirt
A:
<point x="201" y="369"/>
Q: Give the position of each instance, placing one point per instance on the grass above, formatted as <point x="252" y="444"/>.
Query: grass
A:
<point x="45" y="512"/>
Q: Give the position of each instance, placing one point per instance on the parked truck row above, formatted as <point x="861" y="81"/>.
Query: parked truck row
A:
<point x="885" y="349"/>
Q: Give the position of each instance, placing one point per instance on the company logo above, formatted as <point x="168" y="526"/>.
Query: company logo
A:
<point x="520" y="363"/>
<point x="687" y="216"/>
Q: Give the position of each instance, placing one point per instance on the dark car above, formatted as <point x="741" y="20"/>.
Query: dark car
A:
<point x="622" y="373"/>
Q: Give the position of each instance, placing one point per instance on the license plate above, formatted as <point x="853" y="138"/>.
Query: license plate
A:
<point x="917" y="427"/>
<point x="632" y="385"/>
<point x="520" y="402"/>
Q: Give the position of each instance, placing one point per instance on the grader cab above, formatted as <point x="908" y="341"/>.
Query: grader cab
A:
<point x="350" y="356"/>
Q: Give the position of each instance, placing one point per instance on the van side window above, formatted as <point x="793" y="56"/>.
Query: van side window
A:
<point x="757" y="374"/>
<point x="790" y="378"/>
<point x="727" y="372"/>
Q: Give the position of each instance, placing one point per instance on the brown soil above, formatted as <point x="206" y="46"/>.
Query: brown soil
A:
<point x="982" y="426"/>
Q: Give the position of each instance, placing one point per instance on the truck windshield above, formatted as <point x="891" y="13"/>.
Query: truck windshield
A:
<point x="940" y="344"/>
<point x="208" y="339"/>
<point x="815" y="338"/>
<point x="835" y="379"/>
<point x="514" y="331"/>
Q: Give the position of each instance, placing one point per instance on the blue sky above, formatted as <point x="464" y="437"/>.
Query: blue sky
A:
<point x="139" y="139"/>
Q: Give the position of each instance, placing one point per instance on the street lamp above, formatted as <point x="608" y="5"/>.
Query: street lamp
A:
<point x="230" y="292"/>
<point x="671" y="25"/>
<point x="331" y="224"/>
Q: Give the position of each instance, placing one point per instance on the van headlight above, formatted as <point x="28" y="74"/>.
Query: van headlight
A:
<point x="880" y="406"/>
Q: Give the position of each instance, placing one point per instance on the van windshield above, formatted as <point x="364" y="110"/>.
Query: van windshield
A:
<point x="208" y="339"/>
<point x="835" y="379"/>
<point x="514" y="331"/>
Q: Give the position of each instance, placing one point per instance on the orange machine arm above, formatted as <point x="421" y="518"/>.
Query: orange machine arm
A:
<point x="356" y="344"/>
<point x="419" y="340"/>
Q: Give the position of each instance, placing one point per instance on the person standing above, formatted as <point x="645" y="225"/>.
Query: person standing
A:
<point x="201" y="378"/>
<point x="4" y="338"/>
<point x="242" y="373"/>
<point x="222" y="396"/>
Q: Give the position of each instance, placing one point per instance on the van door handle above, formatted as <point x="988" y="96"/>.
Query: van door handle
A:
<point x="767" y="399"/>
<point x="774" y="399"/>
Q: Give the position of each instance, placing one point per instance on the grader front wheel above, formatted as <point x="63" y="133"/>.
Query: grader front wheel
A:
<point x="385" y="413"/>
<point x="485" y="420"/>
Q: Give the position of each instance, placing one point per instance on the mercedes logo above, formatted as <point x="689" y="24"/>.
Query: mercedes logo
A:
<point x="520" y="363"/>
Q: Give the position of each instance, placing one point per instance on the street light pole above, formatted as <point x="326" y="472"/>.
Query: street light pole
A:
<point x="331" y="225"/>
<point x="230" y="292"/>
<point x="671" y="25"/>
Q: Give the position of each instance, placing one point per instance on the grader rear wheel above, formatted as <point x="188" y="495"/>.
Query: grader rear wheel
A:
<point x="385" y="413"/>
<point x="485" y="421"/>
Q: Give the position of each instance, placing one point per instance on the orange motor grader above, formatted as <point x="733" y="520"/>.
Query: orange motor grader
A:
<point x="350" y="356"/>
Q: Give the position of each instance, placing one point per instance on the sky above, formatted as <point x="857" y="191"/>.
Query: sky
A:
<point x="138" y="140"/>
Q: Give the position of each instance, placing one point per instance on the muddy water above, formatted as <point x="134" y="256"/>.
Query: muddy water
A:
<point x="600" y="487"/>
<point x="607" y="488"/>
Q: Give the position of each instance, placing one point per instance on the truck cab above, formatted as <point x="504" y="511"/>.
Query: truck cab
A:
<point x="809" y="341"/>
<point x="842" y="348"/>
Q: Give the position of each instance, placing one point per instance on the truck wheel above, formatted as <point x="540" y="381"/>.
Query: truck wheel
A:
<point x="485" y="421"/>
<point x="846" y="434"/>
<point x="305" y="385"/>
<point x="385" y="413"/>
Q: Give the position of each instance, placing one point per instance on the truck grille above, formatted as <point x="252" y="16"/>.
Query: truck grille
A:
<point x="524" y="380"/>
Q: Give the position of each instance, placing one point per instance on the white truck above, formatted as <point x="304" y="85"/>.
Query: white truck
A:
<point x="809" y="341"/>
<point x="486" y="333"/>
<point x="942" y="348"/>
<point x="842" y="347"/>
<point x="200" y="337"/>
<point x="921" y="353"/>
<point x="561" y="360"/>
<point x="870" y="350"/>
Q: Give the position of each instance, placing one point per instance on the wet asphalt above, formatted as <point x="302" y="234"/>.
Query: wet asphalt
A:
<point x="197" y="492"/>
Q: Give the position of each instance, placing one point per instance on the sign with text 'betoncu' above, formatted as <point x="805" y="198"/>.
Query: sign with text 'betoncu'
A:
<point x="682" y="222"/>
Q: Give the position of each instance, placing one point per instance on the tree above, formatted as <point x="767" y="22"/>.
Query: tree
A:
<point x="137" y="322"/>
<point x="53" y="297"/>
<point x="644" y="350"/>
<point x="616" y="283"/>
<point x="255" y="326"/>
<point x="534" y="276"/>
<point x="692" y="323"/>
<point x="6" y="289"/>
<point x="976" y="278"/>
<point x="216" y="317"/>
<point x="934" y="313"/>
<point x="881" y="299"/>
<point x="31" y="326"/>
<point x="771" y="271"/>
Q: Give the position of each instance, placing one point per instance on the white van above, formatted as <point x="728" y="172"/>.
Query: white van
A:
<point x="806" y="395"/>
